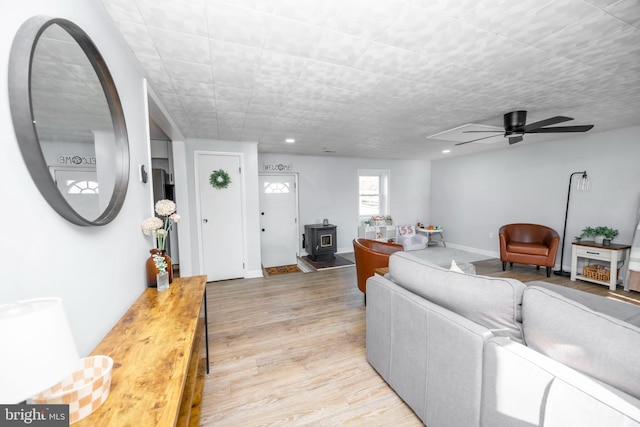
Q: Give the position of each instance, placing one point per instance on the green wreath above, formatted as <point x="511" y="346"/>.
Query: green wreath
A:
<point x="219" y="179"/>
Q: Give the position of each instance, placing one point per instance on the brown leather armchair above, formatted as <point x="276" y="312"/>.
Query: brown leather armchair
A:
<point x="369" y="255"/>
<point x="528" y="244"/>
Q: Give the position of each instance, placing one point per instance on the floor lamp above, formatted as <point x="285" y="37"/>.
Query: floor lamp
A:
<point x="582" y="185"/>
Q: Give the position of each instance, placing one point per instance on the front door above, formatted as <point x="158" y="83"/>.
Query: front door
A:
<point x="278" y="220"/>
<point x="221" y="216"/>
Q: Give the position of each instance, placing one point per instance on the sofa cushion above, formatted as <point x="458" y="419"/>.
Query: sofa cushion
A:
<point x="588" y="341"/>
<point x="528" y="248"/>
<point x="491" y="302"/>
<point x="630" y="313"/>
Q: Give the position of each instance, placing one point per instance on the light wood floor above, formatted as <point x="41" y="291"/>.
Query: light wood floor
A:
<point x="290" y="350"/>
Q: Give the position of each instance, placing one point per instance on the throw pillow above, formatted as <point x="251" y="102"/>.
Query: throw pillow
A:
<point x="454" y="267"/>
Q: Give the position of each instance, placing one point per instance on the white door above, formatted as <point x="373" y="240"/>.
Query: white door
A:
<point x="221" y="218"/>
<point x="80" y="188"/>
<point x="278" y="220"/>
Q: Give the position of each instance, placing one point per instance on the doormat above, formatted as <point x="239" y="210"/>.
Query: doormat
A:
<point x="283" y="269"/>
<point x="338" y="262"/>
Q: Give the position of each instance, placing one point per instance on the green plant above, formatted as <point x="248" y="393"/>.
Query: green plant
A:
<point x="161" y="263"/>
<point x="587" y="232"/>
<point x="609" y="233"/>
<point x="606" y="232"/>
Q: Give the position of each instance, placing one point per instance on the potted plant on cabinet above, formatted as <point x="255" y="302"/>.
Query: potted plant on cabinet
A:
<point x="601" y="235"/>
<point x="609" y="234"/>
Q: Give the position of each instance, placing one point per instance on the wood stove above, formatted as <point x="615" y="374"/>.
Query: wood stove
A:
<point x="320" y="241"/>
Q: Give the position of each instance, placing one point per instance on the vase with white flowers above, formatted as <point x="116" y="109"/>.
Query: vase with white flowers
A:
<point x="159" y="226"/>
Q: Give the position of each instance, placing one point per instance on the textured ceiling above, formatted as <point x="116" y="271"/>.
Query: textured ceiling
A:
<point x="374" y="78"/>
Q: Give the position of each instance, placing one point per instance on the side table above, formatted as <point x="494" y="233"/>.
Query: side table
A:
<point x="611" y="254"/>
<point x="430" y="234"/>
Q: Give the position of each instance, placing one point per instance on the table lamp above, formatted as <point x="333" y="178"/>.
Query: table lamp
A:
<point x="38" y="349"/>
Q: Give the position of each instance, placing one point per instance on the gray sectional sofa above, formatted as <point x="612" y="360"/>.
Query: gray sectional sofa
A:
<point x="467" y="350"/>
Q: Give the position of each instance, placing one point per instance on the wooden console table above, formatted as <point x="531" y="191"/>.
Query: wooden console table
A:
<point x="609" y="254"/>
<point x="158" y="372"/>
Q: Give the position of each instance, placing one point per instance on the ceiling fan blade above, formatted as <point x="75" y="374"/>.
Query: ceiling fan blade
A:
<point x="479" y="139"/>
<point x="560" y="129"/>
<point x="547" y="122"/>
<point x="514" y="139"/>
<point x="482" y="131"/>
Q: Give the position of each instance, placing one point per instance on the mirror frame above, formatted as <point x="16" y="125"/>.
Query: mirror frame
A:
<point x="22" y="51"/>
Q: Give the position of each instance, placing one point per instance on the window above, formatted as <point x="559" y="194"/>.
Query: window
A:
<point x="276" y="187"/>
<point x="82" y="187"/>
<point x="373" y="192"/>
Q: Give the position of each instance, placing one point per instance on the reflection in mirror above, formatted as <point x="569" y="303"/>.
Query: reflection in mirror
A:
<point x="72" y="119"/>
<point x="77" y="125"/>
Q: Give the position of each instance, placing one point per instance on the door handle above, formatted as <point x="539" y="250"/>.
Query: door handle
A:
<point x="263" y="229"/>
<point x="205" y="220"/>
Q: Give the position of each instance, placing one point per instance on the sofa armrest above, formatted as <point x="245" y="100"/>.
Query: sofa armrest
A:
<point x="429" y="355"/>
<point x="522" y="387"/>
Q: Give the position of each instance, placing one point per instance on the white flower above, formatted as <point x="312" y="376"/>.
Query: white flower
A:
<point x="166" y="210"/>
<point x="150" y="225"/>
<point x="165" y="207"/>
<point x="160" y="262"/>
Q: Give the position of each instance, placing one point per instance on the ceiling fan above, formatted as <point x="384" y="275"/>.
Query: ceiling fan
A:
<point x="515" y="127"/>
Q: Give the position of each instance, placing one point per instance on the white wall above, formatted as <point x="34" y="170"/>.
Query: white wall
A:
<point x="474" y="195"/>
<point x="97" y="271"/>
<point x="253" y="266"/>
<point x="328" y="188"/>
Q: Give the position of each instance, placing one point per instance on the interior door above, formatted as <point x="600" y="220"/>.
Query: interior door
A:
<point x="221" y="218"/>
<point x="278" y="219"/>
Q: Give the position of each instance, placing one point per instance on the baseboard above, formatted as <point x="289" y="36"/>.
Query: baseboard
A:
<point x="252" y="274"/>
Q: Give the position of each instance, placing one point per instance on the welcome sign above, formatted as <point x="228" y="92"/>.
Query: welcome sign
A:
<point x="277" y="167"/>
<point x="76" y="160"/>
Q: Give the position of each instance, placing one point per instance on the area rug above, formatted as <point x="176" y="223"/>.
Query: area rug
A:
<point x="283" y="269"/>
<point x="338" y="262"/>
<point x="443" y="256"/>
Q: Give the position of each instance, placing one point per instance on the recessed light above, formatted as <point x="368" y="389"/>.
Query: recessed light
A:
<point x="289" y="140"/>
<point x="446" y="151"/>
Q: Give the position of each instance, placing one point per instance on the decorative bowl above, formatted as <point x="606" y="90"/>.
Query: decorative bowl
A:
<point x="84" y="390"/>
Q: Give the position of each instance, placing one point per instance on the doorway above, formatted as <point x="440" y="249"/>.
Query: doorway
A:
<point x="278" y="219"/>
<point x="220" y="214"/>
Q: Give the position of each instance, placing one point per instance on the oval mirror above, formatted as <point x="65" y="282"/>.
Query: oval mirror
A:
<point x="68" y="121"/>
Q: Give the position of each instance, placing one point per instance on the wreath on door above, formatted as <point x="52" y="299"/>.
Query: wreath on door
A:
<point x="219" y="179"/>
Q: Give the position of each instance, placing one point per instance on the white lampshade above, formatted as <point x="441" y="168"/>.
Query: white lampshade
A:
<point x="37" y="348"/>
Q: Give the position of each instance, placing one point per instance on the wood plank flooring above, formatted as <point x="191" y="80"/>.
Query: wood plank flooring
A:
<point x="290" y="350"/>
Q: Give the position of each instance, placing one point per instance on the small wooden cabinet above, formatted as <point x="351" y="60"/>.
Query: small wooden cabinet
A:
<point x="610" y="255"/>
<point x="158" y="371"/>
